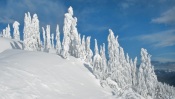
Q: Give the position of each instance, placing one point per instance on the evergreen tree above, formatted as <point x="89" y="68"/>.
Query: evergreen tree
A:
<point x="66" y="32"/>
<point x="44" y="39"/>
<point x="74" y="38"/>
<point x="26" y="31"/>
<point x="97" y="63"/>
<point x="16" y="30"/>
<point x="141" y="87"/>
<point x="3" y="33"/>
<point x="83" y="49"/>
<point x="89" y="52"/>
<point x="133" y="71"/>
<point x="147" y="75"/>
<point x="58" y="42"/>
<point x="6" y="32"/>
<point x="48" y="38"/>
<point x="113" y="51"/>
<point x="104" y="62"/>
<point x="31" y="33"/>
<point x="36" y="34"/>
<point x="8" y="35"/>
<point x="52" y="41"/>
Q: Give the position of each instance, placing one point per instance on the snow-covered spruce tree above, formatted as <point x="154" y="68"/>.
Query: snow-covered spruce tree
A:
<point x="141" y="87"/>
<point x="113" y="51"/>
<point x="89" y="52"/>
<point x="128" y="70"/>
<point x="36" y="33"/>
<point x="78" y="47"/>
<point x="26" y="31"/>
<point x="74" y="39"/>
<point x="83" y="49"/>
<point x="97" y="63"/>
<point x="115" y="68"/>
<point x="133" y="72"/>
<point x="125" y="70"/>
<point x="164" y="91"/>
<point x="65" y="47"/>
<point x="67" y="32"/>
<point x="3" y="33"/>
<point x="58" y="42"/>
<point x="104" y="62"/>
<point x="48" y="44"/>
<point x="31" y="33"/>
<point x="16" y="30"/>
<point x="52" y="40"/>
<point x="44" y="45"/>
<point x="6" y="32"/>
<point x="147" y="80"/>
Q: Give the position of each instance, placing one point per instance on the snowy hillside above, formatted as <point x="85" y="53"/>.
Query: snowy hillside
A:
<point x="38" y="75"/>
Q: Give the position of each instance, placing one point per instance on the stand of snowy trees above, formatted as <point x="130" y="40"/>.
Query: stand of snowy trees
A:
<point x="119" y="72"/>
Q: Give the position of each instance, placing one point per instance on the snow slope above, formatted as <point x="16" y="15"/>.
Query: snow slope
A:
<point x="39" y="75"/>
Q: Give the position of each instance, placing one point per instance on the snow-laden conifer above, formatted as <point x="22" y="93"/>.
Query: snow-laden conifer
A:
<point x="6" y="32"/>
<point x="83" y="49"/>
<point x="44" y="39"/>
<point x="31" y="33"/>
<point x="67" y="32"/>
<point x="147" y="79"/>
<point x="74" y="38"/>
<point x="27" y="31"/>
<point x="52" y="41"/>
<point x="133" y="71"/>
<point x="113" y="51"/>
<point x="58" y="42"/>
<point x="97" y="63"/>
<point x="16" y="34"/>
<point x="3" y="33"/>
<point x="104" y="62"/>
<point x="36" y="33"/>
<point x="89" y="52"/>
<point x="48" y="38"/>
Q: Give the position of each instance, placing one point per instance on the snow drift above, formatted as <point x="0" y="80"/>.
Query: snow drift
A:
<point x="38" y="75"/>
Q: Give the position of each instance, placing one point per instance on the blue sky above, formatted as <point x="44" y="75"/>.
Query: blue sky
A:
<point x="138" y="23"/>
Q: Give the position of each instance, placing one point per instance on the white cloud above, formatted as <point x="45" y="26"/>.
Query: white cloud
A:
<point x="163" y="59"/>
<point x="161" y="39"/>
<point x="167" y="17"/>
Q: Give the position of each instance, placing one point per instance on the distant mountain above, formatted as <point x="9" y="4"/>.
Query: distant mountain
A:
<point x="165" y="72"/>
<point x="166" y="76"/>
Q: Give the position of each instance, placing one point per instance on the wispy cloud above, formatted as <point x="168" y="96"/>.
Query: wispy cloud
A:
<point x="49" y="11"/>
<point x="161" y="39"/>
<point x="163" y="59"/>
<point x="167" y="17"/>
